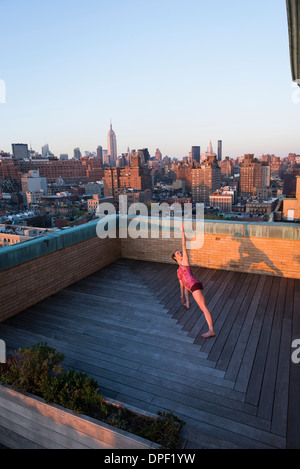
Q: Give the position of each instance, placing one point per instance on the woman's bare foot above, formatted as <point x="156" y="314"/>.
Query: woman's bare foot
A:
<point x="209" y="333"/>
<point x="186" y="305"/>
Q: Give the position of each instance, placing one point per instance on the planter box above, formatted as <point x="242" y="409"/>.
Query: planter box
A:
<point x="27" y="422"/>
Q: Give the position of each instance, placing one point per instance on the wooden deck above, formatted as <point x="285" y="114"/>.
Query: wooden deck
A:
<point x="125" y="326"/>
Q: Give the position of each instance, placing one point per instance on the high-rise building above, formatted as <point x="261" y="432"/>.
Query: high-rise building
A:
<point x="266" y="175"/>
<point x="276" y="166"/>
<point x="266" y="158"/>
<point x="291" y="206"/>
<point x="196" y="154"/>
<point x="289" y="182"/>
<point x="145" y="155"/>
<point x="247" y="176"/>
<point x="209" y="152"/>
<point x="8" y="169"/>
<point x="77" y="153"/>
<point x="112" y="146"/>
<point x="45" y="150"/>
<point x="226" y="166"/>
<point x="93" y="168"/>
<point x="219" y="150"/>
<point x="158" y="155"/>
<point x="183" y="173"/>
<point x="111" y="182"/>
<point x="137" y="176"/>
<point x="99" y="152"/>
<point x="140" y="174"/>
<point x="205" y="179"/>
<point x="105" y="158"/>
<point x="32" y="183"/>
<point x="20" y="151"/>
<point x="253" y="174"/>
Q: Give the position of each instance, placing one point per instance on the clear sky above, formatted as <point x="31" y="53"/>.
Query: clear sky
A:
<point x="169" y="73"/>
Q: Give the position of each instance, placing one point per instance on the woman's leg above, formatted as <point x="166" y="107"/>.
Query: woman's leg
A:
<point x="200" y="299"/>
<point x="187" y="297"/>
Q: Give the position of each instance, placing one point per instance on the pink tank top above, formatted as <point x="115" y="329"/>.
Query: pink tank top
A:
<point x="184" y="273"/>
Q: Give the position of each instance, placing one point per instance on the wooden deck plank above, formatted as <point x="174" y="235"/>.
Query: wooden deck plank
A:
<point x="250" y="299"/>
<point x="125" y="326"/>
<point x="223" y="325"/>
<point x="179" y="391"/>
<point x="244" y="372"/>
<point x="255" y="382"/>
<point x="241" y="343"/>
<point x="225" y="307"/>
<point x="293" y="428"/>
<point x="123" y="350"/>
<point x="265" y="404"/>
<point x="262" y="437"/>
<point x="280" y="405"/>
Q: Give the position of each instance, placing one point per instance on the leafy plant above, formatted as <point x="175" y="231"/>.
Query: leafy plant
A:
<point x="29" y="368"/>
<point x="74" y="390"/>
<point x="38" y="370"/>
<point x="165" y="430"/>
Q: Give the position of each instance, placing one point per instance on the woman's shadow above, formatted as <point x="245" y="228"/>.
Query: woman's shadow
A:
<point x="249" y="252"/>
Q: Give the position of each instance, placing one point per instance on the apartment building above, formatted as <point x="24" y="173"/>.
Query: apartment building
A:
<point x="137" y="176"/>
<point x="253" y="174"/>
<point x="205" y="179"/>
<point x="291" y="206"/>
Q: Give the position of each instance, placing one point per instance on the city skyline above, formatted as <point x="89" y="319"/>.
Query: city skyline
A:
<point x="112" y="136"/>
<point x="171" y="76"/>
<point x="111" y="151"/>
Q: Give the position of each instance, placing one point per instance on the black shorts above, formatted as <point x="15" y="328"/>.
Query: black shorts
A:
<point x="197" y="286"/>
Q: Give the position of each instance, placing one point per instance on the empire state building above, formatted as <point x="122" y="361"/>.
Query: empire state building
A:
<point x="112" y="145"/>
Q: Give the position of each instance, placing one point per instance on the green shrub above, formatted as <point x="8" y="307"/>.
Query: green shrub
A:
<point x="38" y="370"/>
<point x="29" y="368"/>
<point x="164" y="430"/>
<point x="73" y="390"/>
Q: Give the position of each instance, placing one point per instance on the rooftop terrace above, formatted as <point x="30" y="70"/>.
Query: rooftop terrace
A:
<point x="125" y="326"/>
<point x="120" y="320"/>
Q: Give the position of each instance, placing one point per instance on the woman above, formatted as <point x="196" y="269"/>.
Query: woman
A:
<point x="189" y="284"/>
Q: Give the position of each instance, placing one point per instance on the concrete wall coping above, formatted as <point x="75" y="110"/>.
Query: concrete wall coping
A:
<point x="34" y="248"/>
<point x="31" y="249"/>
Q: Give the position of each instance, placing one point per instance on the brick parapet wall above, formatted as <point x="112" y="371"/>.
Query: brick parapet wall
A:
<point x="34" y="270"/>
<point x="272" y="249"/>
<point x="46" y="270"/>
